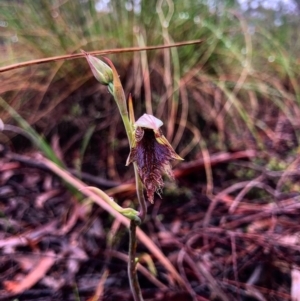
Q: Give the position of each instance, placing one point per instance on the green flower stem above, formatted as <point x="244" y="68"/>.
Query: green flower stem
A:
<point x="133" y="279"/>
<point x="116" y="89"/>
<point x="128" y="127"/>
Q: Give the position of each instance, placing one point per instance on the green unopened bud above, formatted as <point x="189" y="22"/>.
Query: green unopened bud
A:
<point x="101" y="71"/>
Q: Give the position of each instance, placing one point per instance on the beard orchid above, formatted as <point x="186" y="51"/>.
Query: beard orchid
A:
<point x="152" y="153"/>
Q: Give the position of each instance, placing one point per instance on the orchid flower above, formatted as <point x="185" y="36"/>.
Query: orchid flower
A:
<point x="152" y="153"/>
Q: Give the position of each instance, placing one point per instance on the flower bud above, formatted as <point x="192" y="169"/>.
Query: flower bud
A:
<point x="101" y="71"/>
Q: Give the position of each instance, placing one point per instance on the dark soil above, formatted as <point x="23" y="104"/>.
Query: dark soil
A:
<point x="226" y="247"/>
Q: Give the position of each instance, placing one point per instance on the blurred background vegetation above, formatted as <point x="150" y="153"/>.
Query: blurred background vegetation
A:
<point x="236" y="90"/>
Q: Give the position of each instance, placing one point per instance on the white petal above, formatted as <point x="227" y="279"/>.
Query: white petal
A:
<point x="149" y="122"/>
